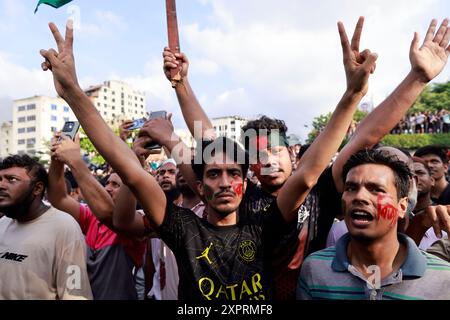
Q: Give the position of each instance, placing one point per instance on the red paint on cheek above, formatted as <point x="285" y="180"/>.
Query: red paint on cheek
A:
<point x="261" y="142"/>
<point x="385" y="209"/>
<point x="237" y="188"/>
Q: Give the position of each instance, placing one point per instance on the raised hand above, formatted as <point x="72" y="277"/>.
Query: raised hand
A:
<point x="172" y="61"/>
<point x="428" y="60"/>
<point x="159" y="130"/>
<point x="358" y="65"/>
<point x="61" y="62"/>
<point x="124" y="133"/>
<point x="65" y="150"/>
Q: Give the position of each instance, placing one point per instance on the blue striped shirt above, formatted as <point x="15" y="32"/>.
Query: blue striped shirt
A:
<point x="327" y="274"/>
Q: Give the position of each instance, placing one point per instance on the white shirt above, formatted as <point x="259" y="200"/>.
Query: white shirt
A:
<point x="43" y="259"/>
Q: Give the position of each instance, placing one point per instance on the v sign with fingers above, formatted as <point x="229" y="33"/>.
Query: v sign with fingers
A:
<point x="358" y="65"/>
<point x="429" y="59"/>
<point x="61" y="62"/>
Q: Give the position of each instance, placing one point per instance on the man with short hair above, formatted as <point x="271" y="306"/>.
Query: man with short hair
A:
<point x="374" y="261"/>
<point x="436" y="159"/>
<point x="42" y="250"/>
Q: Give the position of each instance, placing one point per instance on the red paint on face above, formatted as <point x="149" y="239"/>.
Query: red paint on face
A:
<point x="261" y="142"/>
<point x="385" y="209"/>
<point x="237" y="188"/>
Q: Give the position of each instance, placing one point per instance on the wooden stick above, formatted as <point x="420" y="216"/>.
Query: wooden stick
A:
<point x="174" y="40"/>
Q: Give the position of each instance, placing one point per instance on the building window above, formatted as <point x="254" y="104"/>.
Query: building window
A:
<point x="105" y="113"/>
<point x="142" y="99"/>
<point x="21" y="108"/>
<point x="123" y="102"/>
<point x="54" y="107"/>
<point x="21" y="119"/>
<point x="105" y="98"/>
<point x="31" y="118"/>
<point x="31" y="141"/>
<point x="53" y="118"/>
<point x="31" y="107"/>
<point x="113" y="107"/>
<point x="66" y="109"/>
<point x="21" y="141"/>
<point x="105" y="90"/>
<point x="54" y="129"/>
<point x="99" y="104"/>
<point x="21" y="130"/>
<point x="113" y="100"/>
<point x="31" y="129"/>
<point x="113" y="93"/>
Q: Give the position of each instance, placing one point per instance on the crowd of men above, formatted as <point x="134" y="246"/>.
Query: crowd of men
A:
<point x="424" y="122"/>
<point x="233" y="221"/>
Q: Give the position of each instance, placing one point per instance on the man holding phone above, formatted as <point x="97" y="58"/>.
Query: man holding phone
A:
<point x="112" y="255"/>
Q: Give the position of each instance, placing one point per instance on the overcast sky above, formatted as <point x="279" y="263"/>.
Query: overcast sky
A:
<point x="247" y="57"/>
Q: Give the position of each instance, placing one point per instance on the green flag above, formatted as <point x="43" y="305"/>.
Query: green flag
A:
<point x="53" y="3"/>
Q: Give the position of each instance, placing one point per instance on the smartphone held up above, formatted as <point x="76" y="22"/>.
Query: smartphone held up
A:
<point x="139" y="123"/>
<point x="71" y="128"/>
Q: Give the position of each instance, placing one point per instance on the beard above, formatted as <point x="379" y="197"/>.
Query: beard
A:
<point x="21" y="207"/>
<point x="172" y="194"/>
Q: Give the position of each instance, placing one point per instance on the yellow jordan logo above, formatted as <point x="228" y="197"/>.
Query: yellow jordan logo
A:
<point x="205" y="254"/>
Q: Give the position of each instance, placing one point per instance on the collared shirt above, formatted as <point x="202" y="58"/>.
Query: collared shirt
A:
<point x="328" y="274"/>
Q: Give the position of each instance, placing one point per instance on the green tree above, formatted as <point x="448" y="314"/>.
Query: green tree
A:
<point x="434" y="98"/>
<point x="319" y="123"/>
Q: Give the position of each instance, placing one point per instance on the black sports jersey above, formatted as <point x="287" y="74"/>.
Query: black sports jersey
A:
<point x="224" y="263"/>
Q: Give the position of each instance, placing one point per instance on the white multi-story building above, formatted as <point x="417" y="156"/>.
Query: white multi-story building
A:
<point x="5" y="139"/>
<point x="34" y="121"/>
<point x="117" y="101"/>
<point x="230" y="127"/>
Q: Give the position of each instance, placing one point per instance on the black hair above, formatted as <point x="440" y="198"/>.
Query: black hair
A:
<point x="263" y="123"/>
<point x="401" y="171"/>
<point x="436" y="150"/>
<point x="68" y="186"/>
<point x="423" y="162"/>
<point x="222" y="144"/>
<point x="302" y="151"/>
<point x="69" y="176"/>
<point x="33" y="167"/>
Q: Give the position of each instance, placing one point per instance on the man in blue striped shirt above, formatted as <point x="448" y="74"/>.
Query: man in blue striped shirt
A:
<point x="373" y="261"/>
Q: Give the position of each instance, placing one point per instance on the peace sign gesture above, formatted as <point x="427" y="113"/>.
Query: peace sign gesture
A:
<point x="61" y="63"/>
<point x="428" y="60"/>
<point x="358" y="65"/>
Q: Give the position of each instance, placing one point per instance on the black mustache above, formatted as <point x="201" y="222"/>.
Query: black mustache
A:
<point x="222" y="192"/>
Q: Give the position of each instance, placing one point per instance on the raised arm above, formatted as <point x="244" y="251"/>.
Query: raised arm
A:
<point x="190" y="107"/>
<point x="125" y="217"/>
<point x="161" y="131"/>
<point x="66" y="151"/>
<point x="427" y="62"/>
<point x="57" y="191"/>
<point x="115" y="151"/>
<point x="358" y="66"/>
